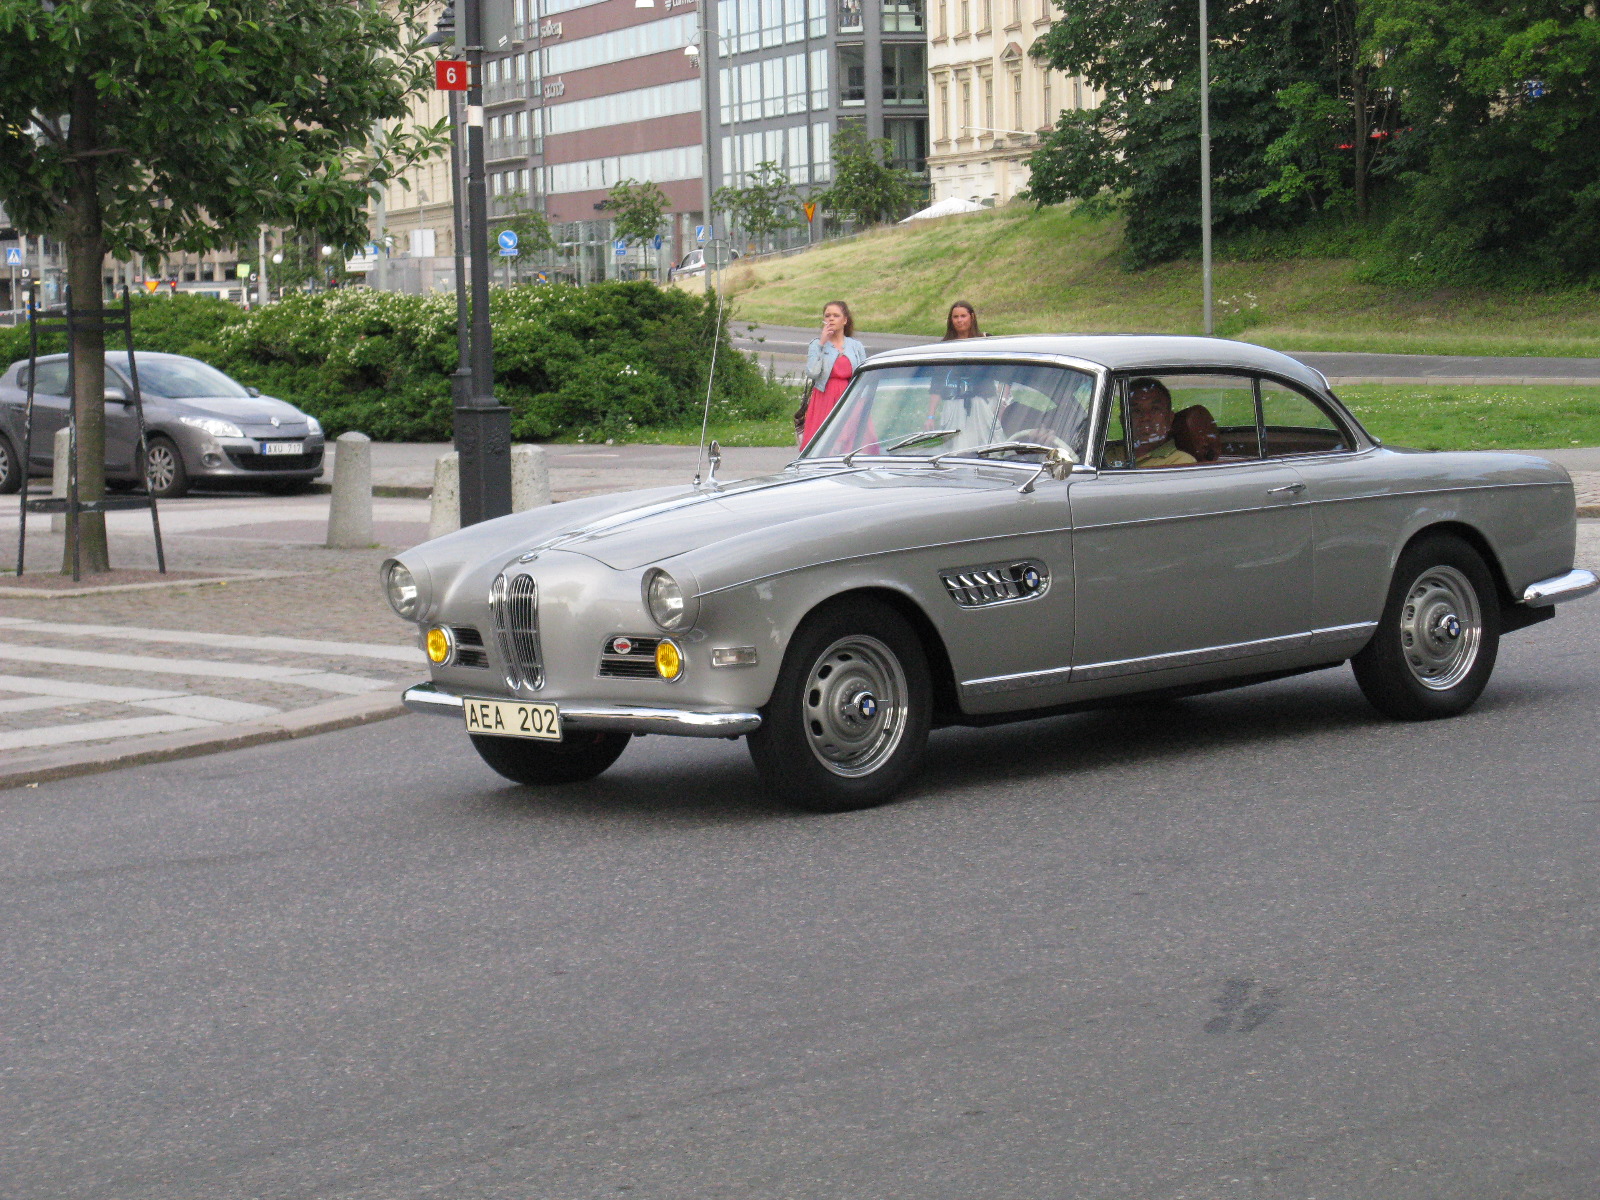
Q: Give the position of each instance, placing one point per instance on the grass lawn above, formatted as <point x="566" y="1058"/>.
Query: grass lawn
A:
<point x="1429" y="418"/>
<point x="1055" y="270"/>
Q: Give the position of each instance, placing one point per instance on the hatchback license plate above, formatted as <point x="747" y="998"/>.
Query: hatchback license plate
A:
<point x="283" y="448"/>
<point x="513" y="718"/>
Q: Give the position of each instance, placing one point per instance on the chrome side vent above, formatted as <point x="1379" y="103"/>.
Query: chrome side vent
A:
<point x="469" y="647"/>
<point x="997" y="583"/>
<point x="514" y="604"/>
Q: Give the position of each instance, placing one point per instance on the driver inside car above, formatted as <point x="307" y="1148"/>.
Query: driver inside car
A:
<point x="1150" y="423"/>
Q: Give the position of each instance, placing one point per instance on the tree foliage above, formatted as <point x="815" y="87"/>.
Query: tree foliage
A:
<point x="637" y="208"/>
<point x="141" y="127"/>
<point x="765" y="206"/>
<point x="866" y="187"/>
<point x="530" y="225"/>
<point x="1502" y="105"/>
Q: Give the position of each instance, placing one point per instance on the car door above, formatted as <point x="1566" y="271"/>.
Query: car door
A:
<point x="51" y="406"/>
<point x="1202" y="566"/>
<point x="122" y="423"/>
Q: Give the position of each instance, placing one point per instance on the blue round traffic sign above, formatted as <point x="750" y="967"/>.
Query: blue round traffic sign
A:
<point x="508" y="239"/>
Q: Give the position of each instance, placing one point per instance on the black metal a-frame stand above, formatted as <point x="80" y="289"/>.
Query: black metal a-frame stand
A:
<point x="105" y="320"/>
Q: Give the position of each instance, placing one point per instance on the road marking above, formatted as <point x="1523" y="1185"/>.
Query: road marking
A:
<point x="31" y="686"/>
<point x="192" y="667"/>
<point x="94" y="731"/>
<point x="29" y="703"/>
<point x="208" y="708"/>
<point x="409" y="655"/>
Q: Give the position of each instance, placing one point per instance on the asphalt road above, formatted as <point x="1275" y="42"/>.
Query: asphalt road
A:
<point x="786" y="343"/>
<point x="1262" y="944"/>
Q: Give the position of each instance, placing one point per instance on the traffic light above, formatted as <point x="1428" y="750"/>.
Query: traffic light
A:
<point x="173" y="284"/>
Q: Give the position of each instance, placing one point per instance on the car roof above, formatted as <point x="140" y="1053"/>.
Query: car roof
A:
<point x="1121" y="352"/>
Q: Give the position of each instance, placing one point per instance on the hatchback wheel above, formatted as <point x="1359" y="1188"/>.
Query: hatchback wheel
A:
<point x="164" y="472"/>
<point x="1436" y="642"/>
<point x="848" y="720"/>
<point x="11" y="472"/>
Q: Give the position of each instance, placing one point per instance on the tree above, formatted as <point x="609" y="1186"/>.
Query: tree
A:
<point x="764" y="207"/>
<point x="639" y="208"/>
<point x="530" y="225"/>
<point x="866" y="187"/>
<point x="1140" y="149"/>
<point x="1502" y="109"/>
<point x="140" y="127"/>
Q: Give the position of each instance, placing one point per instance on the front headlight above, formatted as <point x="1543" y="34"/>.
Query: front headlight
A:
<point x="665" y="600"/>
<point x="214" y="426"/>
<point x="313" y="427"/>
<point x="401" y="588"/>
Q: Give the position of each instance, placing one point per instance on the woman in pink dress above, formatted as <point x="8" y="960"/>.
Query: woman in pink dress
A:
<point x="831" y="361"/>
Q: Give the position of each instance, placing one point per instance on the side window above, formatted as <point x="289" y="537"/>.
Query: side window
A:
<point x="51" y="378"/>
<point x="1114" y="456"/>
<point x="1295" y="424"/>
<point x="1182" y="420"/>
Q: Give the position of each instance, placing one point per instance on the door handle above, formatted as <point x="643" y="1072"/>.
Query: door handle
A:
<point x="1289" y="489"/>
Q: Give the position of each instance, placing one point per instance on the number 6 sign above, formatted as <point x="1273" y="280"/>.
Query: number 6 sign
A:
<point x="449" y="75"/>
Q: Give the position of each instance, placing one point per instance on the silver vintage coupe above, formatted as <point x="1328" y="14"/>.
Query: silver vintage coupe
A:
<point x="986" y="532"/>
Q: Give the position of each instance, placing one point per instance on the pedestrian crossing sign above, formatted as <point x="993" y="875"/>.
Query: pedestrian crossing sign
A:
<point x="13" y="256"/>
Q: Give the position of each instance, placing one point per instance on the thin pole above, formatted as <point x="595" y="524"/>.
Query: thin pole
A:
<point x="1205" y="174"/>
<point x="707" y="51"/>
<point x="458" y="195"/>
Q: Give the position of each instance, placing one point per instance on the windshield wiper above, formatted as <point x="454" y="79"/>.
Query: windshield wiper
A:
<point x="992" y="448"/>
<point x="911" y="439"/>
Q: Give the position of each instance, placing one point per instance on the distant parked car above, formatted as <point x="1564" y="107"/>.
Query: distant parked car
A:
<point x="199" y="424"/>
<point x="694" y="263"/>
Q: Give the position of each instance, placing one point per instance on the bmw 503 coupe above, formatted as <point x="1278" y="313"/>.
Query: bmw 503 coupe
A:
<point x="987" y="532"/>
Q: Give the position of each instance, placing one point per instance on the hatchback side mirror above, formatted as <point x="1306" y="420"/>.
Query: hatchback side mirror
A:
<point x="254" y="391"/>
<point x="115" y="395"/>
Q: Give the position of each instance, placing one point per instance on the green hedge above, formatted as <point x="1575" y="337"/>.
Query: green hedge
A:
<point x="598" y="361"/>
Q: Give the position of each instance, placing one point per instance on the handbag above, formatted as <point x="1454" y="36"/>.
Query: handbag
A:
<point x="800" y="413"/>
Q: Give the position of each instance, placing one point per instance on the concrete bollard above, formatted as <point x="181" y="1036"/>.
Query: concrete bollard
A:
<point x="530" y="477"/>
<point x="444" y="513"/>
<point x="350" y="506"/>
<point x="60" y="472"/>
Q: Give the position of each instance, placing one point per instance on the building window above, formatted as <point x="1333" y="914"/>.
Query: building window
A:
<point x="850" y="16"/>
<point x="1049" y="110"/>
<point x="905" y="73"/>
<point x="908" y="142"/>
<point x="983" y="15"/>
<point x="1016" y="101"/>
<point x="944" y="18"/>
<point x="852" y="75"/>
<point x="966" y="110"/>
<point x="944" y="111"/>
<point x="902" y="16"/>
<point x="966" y="16"/>
<point x="1016" y="12"/>
<point x="988" y="106"/>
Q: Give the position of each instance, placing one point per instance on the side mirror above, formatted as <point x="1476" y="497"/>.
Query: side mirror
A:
<point x="254" y="391"/>
<point x="115" y="395"/>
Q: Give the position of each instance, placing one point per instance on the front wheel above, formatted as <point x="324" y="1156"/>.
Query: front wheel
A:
<point x="575" y="758"/>
<point x="849" y="716"/>
<point x="165" y="476"/>
<point x="1436" y="642"/>
<point x="11" y="472"/>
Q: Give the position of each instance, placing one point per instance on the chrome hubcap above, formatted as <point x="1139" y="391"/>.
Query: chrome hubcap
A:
<point x="855" y="706"/>
<point x="159" y="468"/>
<point x="1441" y="628"/>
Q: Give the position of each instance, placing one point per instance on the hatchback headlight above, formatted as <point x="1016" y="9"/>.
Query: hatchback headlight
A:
<point x="214" y="426"/>
<point x="313" y="427"/>
<point x="401" y="588"/>
<point x="665" y="600"/>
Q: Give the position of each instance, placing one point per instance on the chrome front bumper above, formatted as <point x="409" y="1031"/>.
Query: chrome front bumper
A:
<point x="1560" y="588"/>
<point x="620" y="718"/>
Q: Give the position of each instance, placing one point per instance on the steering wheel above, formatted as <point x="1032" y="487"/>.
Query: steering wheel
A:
<point x="1045" y="437"/>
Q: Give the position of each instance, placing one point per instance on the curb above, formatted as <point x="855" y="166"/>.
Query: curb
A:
<point x="385" y="491"/>
<point x="304" y="722"/>
<point x="1589" y="510"/>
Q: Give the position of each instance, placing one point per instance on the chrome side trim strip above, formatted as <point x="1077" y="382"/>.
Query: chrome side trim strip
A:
<point x="1191" y="658"/>
<point x="1341" y="633"/>
<point x="1574" y="585"/>
<point x="430" y="699"/>
<point x="991" y="684"/>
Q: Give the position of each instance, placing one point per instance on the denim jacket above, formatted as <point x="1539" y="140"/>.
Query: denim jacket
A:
<point x="820" y="359"/>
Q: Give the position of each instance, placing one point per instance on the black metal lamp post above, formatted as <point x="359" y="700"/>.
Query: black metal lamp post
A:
<point x="482" y="425"/>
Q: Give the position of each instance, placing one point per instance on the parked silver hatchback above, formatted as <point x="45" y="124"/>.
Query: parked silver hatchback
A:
<point x="200" y="424"/>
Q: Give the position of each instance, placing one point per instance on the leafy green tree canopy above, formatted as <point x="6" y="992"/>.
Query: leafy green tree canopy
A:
<point x="637" y="208"/>
<point x="866" y="187"/>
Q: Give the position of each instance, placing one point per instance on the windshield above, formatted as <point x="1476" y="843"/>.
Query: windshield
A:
<point x="979" y="404"/>
<point x="182" y="379"/>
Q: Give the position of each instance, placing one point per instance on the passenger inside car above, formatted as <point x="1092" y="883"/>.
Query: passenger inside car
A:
<point x="1195" y="432"/>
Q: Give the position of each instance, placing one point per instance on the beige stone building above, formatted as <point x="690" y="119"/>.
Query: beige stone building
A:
<point x="990" y="103"/>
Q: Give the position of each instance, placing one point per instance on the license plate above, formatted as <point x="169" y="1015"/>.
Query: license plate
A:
<point x="283" y="448"/>
<point x="513" y="718"/>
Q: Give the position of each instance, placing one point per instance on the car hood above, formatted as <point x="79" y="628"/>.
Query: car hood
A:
<point x="773" y="507"/>
<point x="252" y="410"/>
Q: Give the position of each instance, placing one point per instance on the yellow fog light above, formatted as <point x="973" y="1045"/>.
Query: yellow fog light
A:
<point x="669" y="660"/>
<point x="440" y="644"/>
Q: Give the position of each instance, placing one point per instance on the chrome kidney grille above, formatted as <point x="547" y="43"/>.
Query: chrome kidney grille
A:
<point x="997" y="583"/>
<point x="514" y="605"/>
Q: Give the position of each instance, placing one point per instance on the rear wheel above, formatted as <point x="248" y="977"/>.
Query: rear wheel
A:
<point x="1436" y="642"/>
<point x="11" y="472"/>
<point x="848" y="720"/>
<point x="165" y="475"/>
<point x="575" y="758"/>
